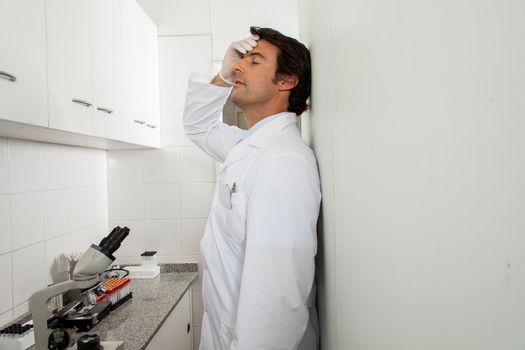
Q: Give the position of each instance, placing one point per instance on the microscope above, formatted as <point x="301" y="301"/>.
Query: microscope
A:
<point x="52" y="331"/>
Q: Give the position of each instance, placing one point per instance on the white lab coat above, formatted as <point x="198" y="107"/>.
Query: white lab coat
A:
<point x="260" y="240"/>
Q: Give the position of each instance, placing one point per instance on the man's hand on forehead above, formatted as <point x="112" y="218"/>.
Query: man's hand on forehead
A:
<point x="234" y="53"/>
<point x="245" y="45"/>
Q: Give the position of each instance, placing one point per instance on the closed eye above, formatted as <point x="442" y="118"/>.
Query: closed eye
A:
<point x="255" y="57"/>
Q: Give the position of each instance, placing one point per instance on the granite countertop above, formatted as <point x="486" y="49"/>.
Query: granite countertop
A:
<point x="137" y="320"/>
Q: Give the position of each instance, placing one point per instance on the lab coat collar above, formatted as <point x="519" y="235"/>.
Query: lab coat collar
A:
<point x="259" y="138"/>
<point x="237" y="153"/>
<point x="262" y="135"/>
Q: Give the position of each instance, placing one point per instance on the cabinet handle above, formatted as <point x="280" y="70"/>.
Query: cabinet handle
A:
<point x="138" y="121"/>
<point x="7" y="76"/>
<point x="153" y="126"/>
<point x="107" y="110"/>
<point x="82" y="102"/>
<point x="188" y="328"/>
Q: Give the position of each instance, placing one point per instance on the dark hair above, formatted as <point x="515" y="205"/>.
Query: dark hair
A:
<point x="293" y="59"/>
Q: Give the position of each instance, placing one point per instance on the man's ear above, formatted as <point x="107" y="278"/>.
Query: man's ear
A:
<point x="287" y="82"/>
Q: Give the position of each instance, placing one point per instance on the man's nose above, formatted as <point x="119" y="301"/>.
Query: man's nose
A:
<point x="238" y="66"/>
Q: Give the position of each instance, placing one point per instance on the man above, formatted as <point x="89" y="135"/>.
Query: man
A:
<point x="260" y="239"/>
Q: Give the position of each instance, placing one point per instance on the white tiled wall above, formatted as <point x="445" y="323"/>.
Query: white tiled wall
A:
<point x="53" y="200"/>
<point x="164" y="195"/>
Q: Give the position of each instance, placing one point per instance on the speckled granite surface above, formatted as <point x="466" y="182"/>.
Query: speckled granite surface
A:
<point x="187" y="267"/>
<point x="179" y="267"/>
<point x="136" y="321"/>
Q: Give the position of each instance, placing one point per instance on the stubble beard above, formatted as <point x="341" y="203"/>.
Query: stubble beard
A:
<point x="237" y="99"/>
<point x="243" y="98"/>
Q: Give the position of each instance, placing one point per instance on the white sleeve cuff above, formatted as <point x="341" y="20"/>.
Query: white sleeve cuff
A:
<point x="204" y="78"/>
<point x="201" y="77"/>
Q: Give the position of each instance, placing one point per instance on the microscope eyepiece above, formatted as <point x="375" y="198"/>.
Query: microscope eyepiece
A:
<point x="112" y="242"/>
<point x="109" y="237"/>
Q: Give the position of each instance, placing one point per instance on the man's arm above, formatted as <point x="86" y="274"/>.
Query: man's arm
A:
<point x="204" y="103"/>
<point x="217" y="80"/>
<point x="202" y="124"/>
<point x="279" y="264"/>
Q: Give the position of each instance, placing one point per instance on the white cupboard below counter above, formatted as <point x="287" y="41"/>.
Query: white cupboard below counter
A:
<point x="176" y="333"/>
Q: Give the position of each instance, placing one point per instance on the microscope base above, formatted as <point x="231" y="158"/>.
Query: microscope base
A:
<point x="108" y="345"/>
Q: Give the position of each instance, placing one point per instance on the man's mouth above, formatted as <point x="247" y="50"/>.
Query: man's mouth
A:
<point x="237" y="82"/>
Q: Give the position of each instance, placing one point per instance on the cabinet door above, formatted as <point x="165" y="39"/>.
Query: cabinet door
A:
<point x="69" y="65"/>
<point x="107" y="69"/>
<point x="23" y="56"/>
<point x="151" y="84"/>
<point x="141" y="81"/>
<point x="176" y="332"/>
<point x="133" y="74"/>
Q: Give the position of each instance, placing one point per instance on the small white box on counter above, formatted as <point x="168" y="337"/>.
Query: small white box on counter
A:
<point x="143" y="271"/>
<point x="149" y="258"/>
<point x="149" y="267"/>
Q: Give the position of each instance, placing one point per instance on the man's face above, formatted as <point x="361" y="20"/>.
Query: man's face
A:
<point x="254" y="76"/>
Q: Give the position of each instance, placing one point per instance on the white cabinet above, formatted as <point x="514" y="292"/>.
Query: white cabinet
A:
<point x="141" y="77"/>
<point x="176" y="332"/>
<point x="151" y="85"/>
<point x="69" y="50"/>
<point x="107" y="70"/>
<point x="23" y="77"/>
<point x="133" y="77"/>
<point x="87" y="69"/>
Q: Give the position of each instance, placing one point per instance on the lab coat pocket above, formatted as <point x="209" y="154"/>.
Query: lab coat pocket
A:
<point x="236" y="218"/>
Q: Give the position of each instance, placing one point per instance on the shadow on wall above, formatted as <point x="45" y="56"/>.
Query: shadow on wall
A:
<point x="320" y="266"/>
<point x="60" y="269"/>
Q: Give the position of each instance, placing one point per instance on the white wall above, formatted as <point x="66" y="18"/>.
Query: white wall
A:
<point x="179" y="17"/>
<point x="53" y="201"/>
<point x="318" y="125"/>
<point x="232" y="19"/>
<point x="225" y="20"/>
<point x="423" y="104"/>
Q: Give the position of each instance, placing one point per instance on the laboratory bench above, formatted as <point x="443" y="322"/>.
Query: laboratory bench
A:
<point x="159" y="314"/>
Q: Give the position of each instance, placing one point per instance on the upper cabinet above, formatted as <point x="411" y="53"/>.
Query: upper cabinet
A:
<point x="140" y="75"/>
<point x="151" y="84"/>
<point x="69" y="56"/>
<point x="96" y="75"/>
<point x="23" y="78"/>
<point x="109" y="118"/>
